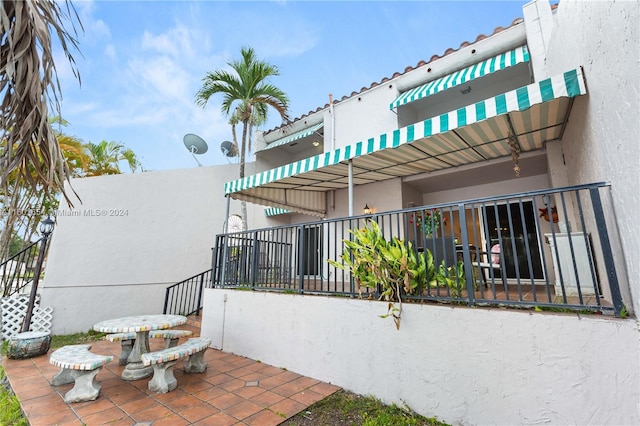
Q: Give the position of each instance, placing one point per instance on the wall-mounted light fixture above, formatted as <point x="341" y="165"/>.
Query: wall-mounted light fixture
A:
<point x="367" y="209"/>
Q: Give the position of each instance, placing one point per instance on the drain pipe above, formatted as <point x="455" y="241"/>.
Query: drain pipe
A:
<point x="224" y="317"/>
<point x="332" y="134"/>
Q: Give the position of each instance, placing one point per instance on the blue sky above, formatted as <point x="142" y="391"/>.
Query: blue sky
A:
<point x="142" y="62"/>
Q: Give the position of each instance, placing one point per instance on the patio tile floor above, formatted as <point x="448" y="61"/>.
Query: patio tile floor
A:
<point x="233" y="391"/>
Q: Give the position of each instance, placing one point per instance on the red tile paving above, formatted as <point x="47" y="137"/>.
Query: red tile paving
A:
<point x="233" y="391"/>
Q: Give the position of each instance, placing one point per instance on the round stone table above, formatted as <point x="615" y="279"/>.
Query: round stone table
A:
<point x="141" y="325"/>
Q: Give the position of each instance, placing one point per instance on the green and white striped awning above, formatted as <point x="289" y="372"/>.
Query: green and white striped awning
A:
<point x="298" y="135"/>
<point x="488" y="66"/>
<point x="274" y="211"/>
<point x="532" y="114"/>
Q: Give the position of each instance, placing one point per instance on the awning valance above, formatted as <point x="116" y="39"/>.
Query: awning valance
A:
<point x="488" y="66"/>
<point x="532" y="114"/>
<point x="298" y="135"/>
<point x="273" y="211"/>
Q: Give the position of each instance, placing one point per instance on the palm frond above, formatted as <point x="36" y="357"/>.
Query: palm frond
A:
<point x="28" y="85"/>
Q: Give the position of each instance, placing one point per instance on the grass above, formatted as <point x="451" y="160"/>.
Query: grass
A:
<point x="345" y="409"/>
<point x="10" y="411"/>
<point x="76" y="339"/>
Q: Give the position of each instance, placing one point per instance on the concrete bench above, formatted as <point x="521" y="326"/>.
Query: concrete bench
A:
<point x="128" y="339"/>
<point x="78" y="366"/>
<point x="163" y="380"/>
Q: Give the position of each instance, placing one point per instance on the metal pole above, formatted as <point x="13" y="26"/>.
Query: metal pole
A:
<point x="34" y="286"/>
<point x="224" y="248"/>
<point x="350" y="188"/>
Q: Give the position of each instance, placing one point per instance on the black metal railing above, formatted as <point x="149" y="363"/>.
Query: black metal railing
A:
<point x="185" y="297"/>
<point x="548" y="248"/>
<point x="17" y="272"/>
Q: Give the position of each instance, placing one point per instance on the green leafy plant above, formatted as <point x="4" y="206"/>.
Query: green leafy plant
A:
<point x="451" y="277"/>
<point x="624" y="313"/>
<point x="391" y="267"/>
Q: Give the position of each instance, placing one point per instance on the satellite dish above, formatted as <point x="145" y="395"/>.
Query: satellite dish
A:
<point x="196" y="145"/>
<point x="229" y="149"/>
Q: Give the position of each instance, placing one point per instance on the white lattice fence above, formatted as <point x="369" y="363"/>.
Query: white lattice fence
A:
<point x="14" y="309"/>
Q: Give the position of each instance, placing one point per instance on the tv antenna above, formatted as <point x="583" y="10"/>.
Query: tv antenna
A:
<point x="196" y="145"/>
<point x="229" y="149"/>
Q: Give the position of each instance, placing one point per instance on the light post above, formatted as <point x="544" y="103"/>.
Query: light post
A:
<point x="46" y="228"/>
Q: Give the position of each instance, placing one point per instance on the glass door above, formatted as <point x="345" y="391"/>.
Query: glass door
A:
<point x="309" y="263"/>
<point x="513" y="227"/>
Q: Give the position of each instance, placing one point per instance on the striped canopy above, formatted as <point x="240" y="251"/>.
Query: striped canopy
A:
<point x="274" y="211"/>
<point x="531" y="114"/>
<point x="298" y="135"/>
<point x="488" y="66"/>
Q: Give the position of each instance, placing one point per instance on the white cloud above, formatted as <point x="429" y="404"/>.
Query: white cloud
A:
<point x="161" y="77"/>
<point x="177" y="42"/>
<point x="110" y="52"/>
<point x="284" y="43"/>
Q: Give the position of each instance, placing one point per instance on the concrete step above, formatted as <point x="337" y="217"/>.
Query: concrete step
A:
<point x="194" y="323"/>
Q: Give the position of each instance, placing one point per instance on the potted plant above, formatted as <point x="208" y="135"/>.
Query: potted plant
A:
<point x="428" y="221"/>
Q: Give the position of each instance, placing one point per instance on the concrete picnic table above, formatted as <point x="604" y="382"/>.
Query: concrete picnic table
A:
<point x="141" y="325"/>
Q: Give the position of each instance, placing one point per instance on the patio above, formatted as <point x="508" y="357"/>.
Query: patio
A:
<point x="233" y="391"/>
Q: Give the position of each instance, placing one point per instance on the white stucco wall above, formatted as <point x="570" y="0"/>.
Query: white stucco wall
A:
<point x="159" y="228"/>
<point x="370" y="110"/>
<point x="465" y="366"/>
<point x="380" y="197"/>
<point x="601" y="140"/>
<point x="493" y="189"/>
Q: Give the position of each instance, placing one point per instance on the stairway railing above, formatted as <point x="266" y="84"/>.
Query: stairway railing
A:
<point x="17" y="272"/>
<point x="185" y="297"/>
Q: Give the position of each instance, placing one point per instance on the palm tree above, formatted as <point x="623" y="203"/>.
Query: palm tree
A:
<point x="28" y="85"/>
<point x="25" y="204"/>
<point x="105" y="158"/>
<point x="246" y="95"/>
<point x="74" y="151"/>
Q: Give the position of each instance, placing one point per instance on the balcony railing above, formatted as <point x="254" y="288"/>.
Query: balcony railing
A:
<point x="544" y="249"/>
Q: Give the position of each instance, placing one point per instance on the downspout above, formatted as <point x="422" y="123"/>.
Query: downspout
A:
<point x="332" y="146"/>
<point x="332" y="134"/>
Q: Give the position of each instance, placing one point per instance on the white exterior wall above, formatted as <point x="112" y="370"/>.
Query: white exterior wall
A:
<point x="102" y="267"/>
<point x="493" y="189"/>
<point x="364" y="116"/>
<point x="465" y="366"/>
<point x="380" y="197"/>
<point x="601" y="139"/>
